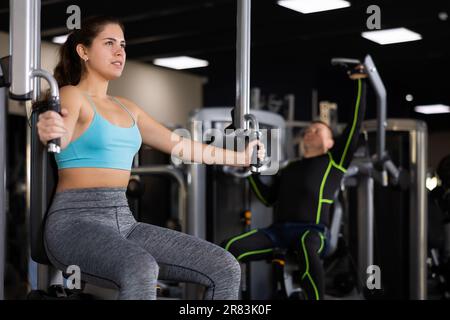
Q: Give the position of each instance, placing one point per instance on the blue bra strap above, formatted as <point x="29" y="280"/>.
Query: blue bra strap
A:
<point x="90" y="101"/>
<point x="123" y="107"/>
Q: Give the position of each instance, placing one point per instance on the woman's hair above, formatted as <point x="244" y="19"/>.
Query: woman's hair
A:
<point x="70" y="68"/>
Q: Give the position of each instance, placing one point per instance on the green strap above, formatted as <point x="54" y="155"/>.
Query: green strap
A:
<point x="355" y="120"/>
<point x="306" y="274"/>
<point x="258" y="193"/>
<point x="253" y="252"/>
<point x="322" y="186"/>
<point x="322" y="242"/>
<point x="227" y="247"/>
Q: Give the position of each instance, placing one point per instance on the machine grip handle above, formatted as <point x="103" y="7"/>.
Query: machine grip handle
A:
<point x="258" y="164"/>
<point x="54" y="145"/>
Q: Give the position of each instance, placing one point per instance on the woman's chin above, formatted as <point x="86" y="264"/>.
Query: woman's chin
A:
<point x="114" y="76"/>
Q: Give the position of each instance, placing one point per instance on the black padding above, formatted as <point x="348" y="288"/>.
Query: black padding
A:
<point x="43" y="184"/>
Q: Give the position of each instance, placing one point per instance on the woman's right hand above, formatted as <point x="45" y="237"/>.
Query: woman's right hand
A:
<point x="51" y="126"/>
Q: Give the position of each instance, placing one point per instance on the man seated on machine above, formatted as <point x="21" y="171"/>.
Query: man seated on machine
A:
<point x="302" y="194"/>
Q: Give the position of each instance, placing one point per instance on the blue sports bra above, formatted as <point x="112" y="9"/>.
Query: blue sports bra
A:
<point x="102" y="145"/>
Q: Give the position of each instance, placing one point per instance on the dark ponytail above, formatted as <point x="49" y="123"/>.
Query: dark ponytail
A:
<point x="70" y="67"/>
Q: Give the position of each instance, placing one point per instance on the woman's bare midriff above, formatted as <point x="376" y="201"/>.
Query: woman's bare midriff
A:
<point x="76" y="178"/>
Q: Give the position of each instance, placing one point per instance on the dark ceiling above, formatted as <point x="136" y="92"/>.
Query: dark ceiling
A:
<point x="290" y="51"/>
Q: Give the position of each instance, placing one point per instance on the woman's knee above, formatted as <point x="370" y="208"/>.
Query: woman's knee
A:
<point x="230" y="267"/>
<point x="141" y="266"/>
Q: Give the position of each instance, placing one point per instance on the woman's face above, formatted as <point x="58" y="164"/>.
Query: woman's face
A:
<point x="106" y="56"/>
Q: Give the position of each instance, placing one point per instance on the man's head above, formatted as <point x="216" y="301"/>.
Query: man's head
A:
<point x="317" y="138"/>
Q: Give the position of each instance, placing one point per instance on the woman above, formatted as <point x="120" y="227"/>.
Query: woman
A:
<point x="89" y="223"/>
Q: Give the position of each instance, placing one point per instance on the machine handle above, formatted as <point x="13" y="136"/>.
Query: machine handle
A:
<point x="54" y="145"/>
<point x="254" y="127"/>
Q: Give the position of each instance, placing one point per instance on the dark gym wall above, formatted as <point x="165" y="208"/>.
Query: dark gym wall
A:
<point x="438" y="147"/>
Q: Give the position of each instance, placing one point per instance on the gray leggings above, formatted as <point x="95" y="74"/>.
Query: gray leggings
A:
<point x="95" y="230"/>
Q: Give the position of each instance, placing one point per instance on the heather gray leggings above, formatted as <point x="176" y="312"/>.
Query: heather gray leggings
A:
<point x="95" y="230"/>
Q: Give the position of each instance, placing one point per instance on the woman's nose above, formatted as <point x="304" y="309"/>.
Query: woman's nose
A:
<point x="120" y="51"/>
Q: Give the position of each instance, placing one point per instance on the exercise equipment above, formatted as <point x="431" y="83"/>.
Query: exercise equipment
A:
<point x="22" y="73"/>
<point x="378" y="167"/>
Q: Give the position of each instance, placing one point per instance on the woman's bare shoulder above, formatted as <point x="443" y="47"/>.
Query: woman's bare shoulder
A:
<point x="71" y="96"/>
<point x="131" y="106"/>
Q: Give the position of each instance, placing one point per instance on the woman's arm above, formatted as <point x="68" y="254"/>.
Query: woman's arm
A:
<point x="52" y="125"/>
<point x="156" y="135"/>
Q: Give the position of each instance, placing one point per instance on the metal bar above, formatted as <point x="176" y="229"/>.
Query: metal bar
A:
<point x="418" y="215"/>
<point x="39" y="73"/>
<point x="196" y="219"/>
<point x="242" y="63"/>
<point x="36" y="47"/>
<point x="2" y="187"/>
<point x="380" y="92"/>
<point x="21" y="50"/>
<point x="255" y="98"/>
<point x="365" y="225"/>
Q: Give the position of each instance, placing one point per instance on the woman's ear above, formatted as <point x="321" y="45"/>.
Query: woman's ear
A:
<point x="82" y="52"/>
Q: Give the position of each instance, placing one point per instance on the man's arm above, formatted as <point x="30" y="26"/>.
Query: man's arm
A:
<point x="266" y="193"/>
<point x="346" y="144"/>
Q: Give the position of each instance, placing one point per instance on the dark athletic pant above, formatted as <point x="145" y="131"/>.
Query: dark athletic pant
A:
<point x="95" y="230"/>
<point x="307" y="241"/>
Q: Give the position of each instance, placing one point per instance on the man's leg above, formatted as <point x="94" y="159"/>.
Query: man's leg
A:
<point x="311" y="245"/>
<point x="250" y="246"/>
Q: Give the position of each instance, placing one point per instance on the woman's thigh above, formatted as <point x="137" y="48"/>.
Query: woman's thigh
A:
<point x="94" y="243"/>
<point x="180" y="255"/>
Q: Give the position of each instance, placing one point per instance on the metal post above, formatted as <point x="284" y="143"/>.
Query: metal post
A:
<point x="243" y="63"/>
<point x="36" y="47"/>
<point x="3" y="115"/>
<point x="365" y="225"/>
<point x="196" y="220"/>
<point x="418" y="213"/>
<point x="255" y="98"/>
<point x="21" y="47"/>
<point x="290" y="98"/>
<point x="380" y="92"/>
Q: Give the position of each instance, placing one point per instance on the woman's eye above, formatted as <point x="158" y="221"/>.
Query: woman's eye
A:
<point x="109" y="43"/>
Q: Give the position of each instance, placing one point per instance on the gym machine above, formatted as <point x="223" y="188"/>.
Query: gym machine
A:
<point x="378" y="167"/>
<point x="21" y="74"/>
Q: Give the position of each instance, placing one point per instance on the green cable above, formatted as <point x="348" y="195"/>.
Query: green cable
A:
<point x="322" y="186"/>
<point x="253" y="252"/>
<point x="258" y="193"/>
<point x="227" y="247"/>
<point x="306" y="274"/>
<point x="355" y="119"/>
